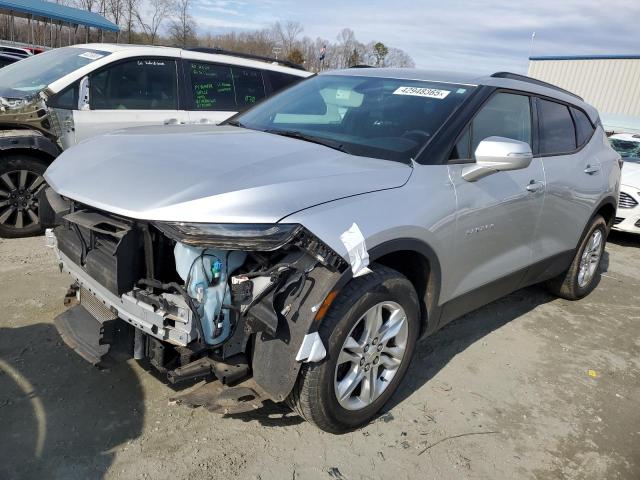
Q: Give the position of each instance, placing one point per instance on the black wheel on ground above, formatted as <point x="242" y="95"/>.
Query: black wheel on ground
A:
<point x="583" y="274"/>
<point x="370" y="333"/>
<point x="21" y="178"/>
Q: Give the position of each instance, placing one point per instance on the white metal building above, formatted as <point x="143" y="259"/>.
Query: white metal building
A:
<point x="611" y="83"/>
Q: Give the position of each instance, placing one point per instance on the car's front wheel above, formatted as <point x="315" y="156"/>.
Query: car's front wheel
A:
<point x="370" y="334"/>
<point x="21" y="178"/>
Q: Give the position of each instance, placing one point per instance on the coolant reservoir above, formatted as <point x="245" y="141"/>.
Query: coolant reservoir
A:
<point x="207" y="271"/>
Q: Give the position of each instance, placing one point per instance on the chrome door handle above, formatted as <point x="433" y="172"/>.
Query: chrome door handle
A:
<point x="591" y="170"/>
<point x="534" y="186"/>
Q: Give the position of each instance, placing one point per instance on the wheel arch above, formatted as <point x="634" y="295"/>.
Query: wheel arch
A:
<point x="606" y="209"/>
<point x="417" y="261"/>
<point x="36" y="145"/>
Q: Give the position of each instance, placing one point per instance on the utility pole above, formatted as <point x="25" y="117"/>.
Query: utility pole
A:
<point x="533" y="36"/>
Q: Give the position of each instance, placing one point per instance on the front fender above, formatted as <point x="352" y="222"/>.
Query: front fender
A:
<point x="274" y="363"/>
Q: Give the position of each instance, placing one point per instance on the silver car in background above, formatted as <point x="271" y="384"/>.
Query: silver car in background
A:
<point x="298" y="252"/>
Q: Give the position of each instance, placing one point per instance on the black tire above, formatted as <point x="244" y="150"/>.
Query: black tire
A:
<point x="567" y="285"/>
<point x="313" y="396"/>
<point x="19" y="214"/>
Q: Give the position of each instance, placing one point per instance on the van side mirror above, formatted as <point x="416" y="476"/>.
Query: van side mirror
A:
<point x="83" y="95"/>
<point x="498" y="154"/>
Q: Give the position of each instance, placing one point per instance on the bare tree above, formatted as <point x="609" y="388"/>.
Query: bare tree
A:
<point x="287" y="34"/>
<point x="398" y="58"/>
<point x="131" y="11"/>
<point x="157" y="13"/>
<point x="182" y="28"/>
<point x="116" y="8"/>
<point x="86" y="4"/>
<point x="349" y="48"/>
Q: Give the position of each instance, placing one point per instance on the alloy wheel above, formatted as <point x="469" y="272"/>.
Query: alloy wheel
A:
<point x="18" y="198"/>
<point x="590" y="259"/>
<point x="371" y="355"/>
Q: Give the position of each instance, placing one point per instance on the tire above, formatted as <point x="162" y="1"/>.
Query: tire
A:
<point x="570" y="284"/>
<point x="314" y="397"/>
<point x="21" y="179"/>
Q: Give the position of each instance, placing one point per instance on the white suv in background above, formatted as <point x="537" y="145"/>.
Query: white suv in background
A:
<point x="51" y="101"/>
<point x="628" y="213"/>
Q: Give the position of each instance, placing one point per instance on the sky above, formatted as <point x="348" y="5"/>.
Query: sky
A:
<point x="477" y="36"/>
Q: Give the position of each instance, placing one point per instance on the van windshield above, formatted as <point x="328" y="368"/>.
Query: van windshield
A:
<point x="376" y="117"/>
<point x="34" y="73"/>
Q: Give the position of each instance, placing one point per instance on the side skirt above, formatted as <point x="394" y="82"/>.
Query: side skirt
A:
<point x="536" y="273"/>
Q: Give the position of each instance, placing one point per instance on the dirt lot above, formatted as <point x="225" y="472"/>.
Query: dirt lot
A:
<point x="502" y="393"/>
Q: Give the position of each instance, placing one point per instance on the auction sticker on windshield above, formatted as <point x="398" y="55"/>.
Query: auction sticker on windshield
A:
<point x="422" y="92"/>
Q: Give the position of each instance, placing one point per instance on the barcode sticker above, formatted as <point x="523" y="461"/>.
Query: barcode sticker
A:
<point x="422" y="92"/>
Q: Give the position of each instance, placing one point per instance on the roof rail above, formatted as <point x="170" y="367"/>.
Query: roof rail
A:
<point x="221" y="51"/>
<point x="535" y="81"/>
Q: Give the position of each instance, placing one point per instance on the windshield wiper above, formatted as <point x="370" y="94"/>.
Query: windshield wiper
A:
<point x="235" y="123"/>
<point x="308" y="138"/>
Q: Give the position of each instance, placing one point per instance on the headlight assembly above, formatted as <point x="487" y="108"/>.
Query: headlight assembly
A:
<point x="231" y="236"/>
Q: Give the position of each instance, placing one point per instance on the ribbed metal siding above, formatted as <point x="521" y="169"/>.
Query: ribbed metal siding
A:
<point x="610" y="85"/>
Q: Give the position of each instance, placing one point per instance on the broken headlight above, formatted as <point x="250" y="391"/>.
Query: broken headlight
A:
<point x="231" y="236"/>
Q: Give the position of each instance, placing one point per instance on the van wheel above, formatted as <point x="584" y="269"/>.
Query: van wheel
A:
<point x="370" y="333"/>
<point x="583" y="274"/>
<point x="21" y="179"/>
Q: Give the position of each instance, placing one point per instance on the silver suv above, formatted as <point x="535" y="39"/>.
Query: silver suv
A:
<point x="299" y="251"/>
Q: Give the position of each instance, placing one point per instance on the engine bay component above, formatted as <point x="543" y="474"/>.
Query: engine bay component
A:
<point x="199" y="311"/>
<point x="205" y="272"/>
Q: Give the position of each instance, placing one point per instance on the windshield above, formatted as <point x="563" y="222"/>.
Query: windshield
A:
<point x="626" y="148"/>
<point x="375" y="117"/>
<point x="34" y="73"/>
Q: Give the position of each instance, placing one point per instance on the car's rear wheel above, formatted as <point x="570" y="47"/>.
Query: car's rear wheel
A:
<point x="583" y="274"/>
<point x="21" y="178"/>
<point x="370" y="334"/>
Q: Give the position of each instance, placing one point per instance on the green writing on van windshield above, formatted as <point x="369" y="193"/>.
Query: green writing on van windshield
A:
<point x="212" y="86"/>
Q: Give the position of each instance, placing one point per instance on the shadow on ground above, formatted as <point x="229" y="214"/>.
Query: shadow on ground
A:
<point x="60" y="417"/>
<point x="624" y="239"/>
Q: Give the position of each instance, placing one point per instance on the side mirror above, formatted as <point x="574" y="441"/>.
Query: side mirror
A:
<point x="498" y="154"/>
<point x="83" y="96"/>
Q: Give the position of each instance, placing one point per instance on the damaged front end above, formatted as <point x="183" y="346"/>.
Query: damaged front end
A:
<point x="231" y="302"/>
<point x="37" y="115"/>
<point x="26" y="112"/>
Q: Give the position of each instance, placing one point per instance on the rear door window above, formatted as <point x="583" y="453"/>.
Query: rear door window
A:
<point x="249" y="86"/>
<point x="584" y="127"/>
<point x="557" y="133"/>
<point x="212" y="87"/>
<point x="281" y="80"/>
<point x="140" y="84"/>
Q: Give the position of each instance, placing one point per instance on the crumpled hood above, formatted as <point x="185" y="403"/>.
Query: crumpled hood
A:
<point x="631" y="174"/>
<point x="201" y="173"/>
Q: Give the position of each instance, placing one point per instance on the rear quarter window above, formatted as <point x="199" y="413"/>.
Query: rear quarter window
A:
<point x="557" y="133"/>
<point x="281" y="80"/>
<point x="584" y="127"/>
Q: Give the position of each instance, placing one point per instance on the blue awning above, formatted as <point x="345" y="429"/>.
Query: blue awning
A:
<point x="48" y="10"/>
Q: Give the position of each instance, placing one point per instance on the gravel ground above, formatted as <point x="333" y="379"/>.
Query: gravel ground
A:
<point x="527" y="387"/>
